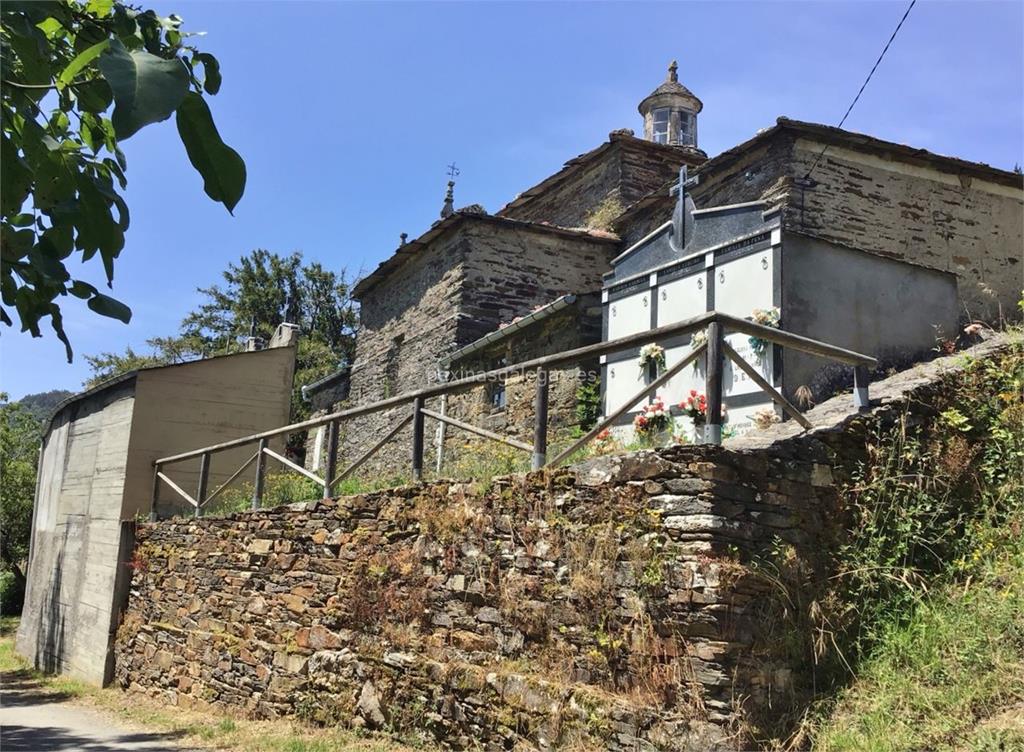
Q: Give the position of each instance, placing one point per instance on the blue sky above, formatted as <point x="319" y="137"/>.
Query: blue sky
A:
<point x="347" y="114"/>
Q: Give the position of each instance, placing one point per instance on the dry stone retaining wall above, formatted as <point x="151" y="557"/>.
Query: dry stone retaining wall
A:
<point x="627" y="603"/>
<point x="610" y="603"/>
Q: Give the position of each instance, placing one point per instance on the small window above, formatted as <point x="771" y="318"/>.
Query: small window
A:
<point x="660" y="133"/>
<point x="495" y="392"/>
<point x="686" y="134"/>
<point x="496" y="395"/>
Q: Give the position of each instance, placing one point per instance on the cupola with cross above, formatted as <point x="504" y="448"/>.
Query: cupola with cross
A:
<point x="670" y="112"/>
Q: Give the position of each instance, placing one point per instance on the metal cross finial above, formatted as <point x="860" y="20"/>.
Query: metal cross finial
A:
<point x="453" y="171"/>
<point x="684" y="183"/>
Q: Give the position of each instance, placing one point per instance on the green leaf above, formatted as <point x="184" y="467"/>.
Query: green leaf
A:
<point x="16" y="243"/>
<point x="15" y="177"/>
<point x="147" y="88"/>
<point x="57" y="322"/>
<point x="211" y="71"/>
<point x="94" y="96"/>
<point x="223" y="170"/>
<point x="54" y="182"/>
<point x="97" y="229"/>
<point x="82" y="289"/>
<point x="83" y="59"/>
<point x="45" y="260"/>
<point x="51" y="27"/>
<point x="108" y="306"/>
<point x="99" y="7"/>
<point x="59" y="237"/>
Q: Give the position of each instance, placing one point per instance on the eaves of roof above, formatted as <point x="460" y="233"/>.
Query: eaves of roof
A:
<point x="830" y="135"/>
<point x="122" y="378"/>
<point x="616" y="139"/>
<point x="497" y="335"/>
<point x="404" y="252"/>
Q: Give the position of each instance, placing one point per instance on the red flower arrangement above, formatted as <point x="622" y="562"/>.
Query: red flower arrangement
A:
<point x="653" y="418"/>
<point x="696" y="408"/>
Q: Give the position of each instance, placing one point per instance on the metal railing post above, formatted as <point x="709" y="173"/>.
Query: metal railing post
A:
<point x="417" y="439"/>
<point x="860" y="388"/>
<point x="204" y="480"/>
<point x="540" y="424"/>
<point x="713" y="385"/>
<point x="331" y="466"/>
<point x="156" y="492"/>
<point x="261" y="465"/>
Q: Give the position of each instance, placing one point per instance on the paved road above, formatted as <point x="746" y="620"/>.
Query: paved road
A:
<point x="32" y="720"/>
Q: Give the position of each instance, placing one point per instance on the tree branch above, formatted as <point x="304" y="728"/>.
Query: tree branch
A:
<point x="16" y="85"/>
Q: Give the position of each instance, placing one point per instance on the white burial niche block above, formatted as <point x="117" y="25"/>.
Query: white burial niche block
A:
<point x="745" y="261"/>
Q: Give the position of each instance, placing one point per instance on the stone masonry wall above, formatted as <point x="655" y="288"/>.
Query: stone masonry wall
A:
<point x="512" y="271"/>
<point x="456" y="290"/>
<point x="606" y="605"/>
<point x="968" y="226"/>
<point x="629" y="170"/>
<point x="920" y="213"/>
<point x="572" y="327"/>
<point x="621" y="604"/>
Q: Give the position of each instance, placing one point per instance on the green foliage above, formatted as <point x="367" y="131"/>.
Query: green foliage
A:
<point x="279" y="488"/>
<point x="42" y="403"/>
<point x="260" y="291"/>
<point x="19" y="452"/>
<point x="483" y="460"/>
<point x="604" y="214"/>
<point x="926" y="610"/>
<point x="924" y="498"/>
<point x="12" y="593"/>
<point x="950" y="674"/>
<point x="65" y="63"/>
<point x="588" y="403"/>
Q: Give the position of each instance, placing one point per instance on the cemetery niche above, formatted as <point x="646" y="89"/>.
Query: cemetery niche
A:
<point x="750" y="261"/>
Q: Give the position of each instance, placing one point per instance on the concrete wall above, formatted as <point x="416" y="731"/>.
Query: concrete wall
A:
<point x="889" y="309"/>
<point x="198" y="404"/>
<point x="96" y="471"/>
<point x="67" y="622"/>
<point x="966" y="225"/>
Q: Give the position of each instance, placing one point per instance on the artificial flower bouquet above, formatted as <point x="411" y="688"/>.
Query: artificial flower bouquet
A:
<point x="653" y="419"/>
<point x="652" y="353"/>
<point x="695" y="407"/>
<point x="764" y="317"/>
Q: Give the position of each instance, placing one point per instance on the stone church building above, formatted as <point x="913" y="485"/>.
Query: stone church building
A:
<point x="478" y="290"/>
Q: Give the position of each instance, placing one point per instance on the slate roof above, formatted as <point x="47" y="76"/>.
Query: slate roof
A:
<point x="660" y="199"/>
<point x="616" y="139"/>
<point x="404" y="252"/>
<point x="674" y="88"/>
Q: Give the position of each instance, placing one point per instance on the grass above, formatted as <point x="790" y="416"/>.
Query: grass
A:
<point x="950" y="678"/>
<point x="190" y="728"/>
<point x="939" y="655"/>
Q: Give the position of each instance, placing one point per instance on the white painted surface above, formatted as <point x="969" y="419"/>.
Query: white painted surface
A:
<point x="625" y="378"/>
<point x="742" y="286"/>
<point x="682" y="298"/>
<point x="629" y="315"/>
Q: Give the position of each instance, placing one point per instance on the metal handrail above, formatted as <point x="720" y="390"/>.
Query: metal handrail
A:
<point x="716" y="348"/>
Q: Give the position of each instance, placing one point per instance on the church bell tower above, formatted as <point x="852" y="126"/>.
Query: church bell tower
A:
<point x="670" y="113"/>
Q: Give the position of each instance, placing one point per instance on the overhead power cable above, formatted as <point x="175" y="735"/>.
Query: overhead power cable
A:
<point x="866" y="80"/>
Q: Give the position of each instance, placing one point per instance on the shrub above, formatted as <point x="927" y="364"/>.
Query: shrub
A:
<point x="278" y="488"/>
<point x="12" y="593"/>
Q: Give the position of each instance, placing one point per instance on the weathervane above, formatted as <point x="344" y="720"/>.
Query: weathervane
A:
<point x="453" y="171"/>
